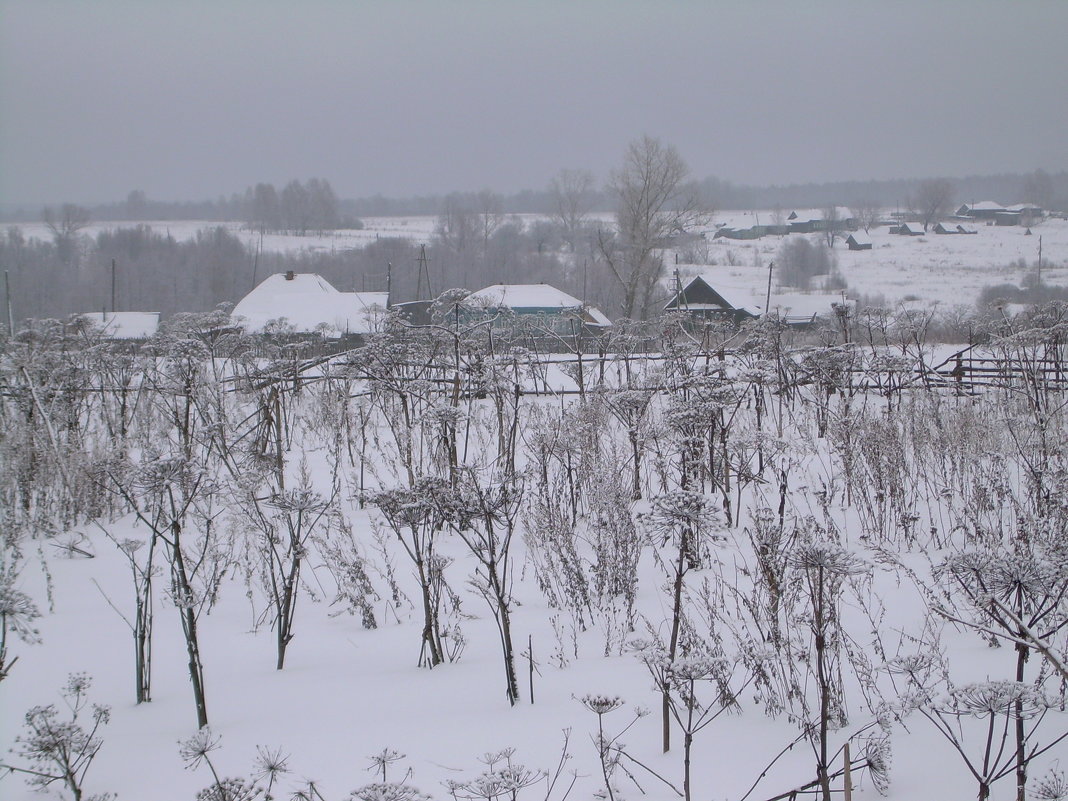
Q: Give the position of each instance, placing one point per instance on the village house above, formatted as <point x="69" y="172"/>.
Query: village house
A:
<point x="707" y="300"/>
<point x="983" y="210"/>
<point x="552" y="308"/>
<point x="858" y="240"/>
<point x="303" y="304"/>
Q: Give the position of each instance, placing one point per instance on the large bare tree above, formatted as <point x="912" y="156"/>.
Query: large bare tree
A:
<point x="933" y="200"/>
<point x="572" y="193"/>
<point x="866" y="212"/>
<point x="653" y="201"/>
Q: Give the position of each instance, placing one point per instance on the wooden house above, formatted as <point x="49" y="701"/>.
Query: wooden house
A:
<point x="983" y="210"/>
<point x="858" y="240"/>
<point x="707" y="300"/>
<point x="554" y="309"/>
<point x="706" y="303"/>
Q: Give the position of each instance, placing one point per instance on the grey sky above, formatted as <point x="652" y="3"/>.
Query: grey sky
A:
<point x="187" y="99"/>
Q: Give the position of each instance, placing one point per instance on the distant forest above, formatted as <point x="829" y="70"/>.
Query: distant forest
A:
<point x="1049" y="190"/>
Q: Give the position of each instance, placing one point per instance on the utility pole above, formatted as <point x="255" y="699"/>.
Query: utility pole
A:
<point x="7" y="296"/>
<point x="424" y="269"/>
<point x="113" y="286"/>
<point x="680" y="299"/>
<point x="389" y="284"/>
<point x="767" y="300"/>
<point x="1040" y="259"/>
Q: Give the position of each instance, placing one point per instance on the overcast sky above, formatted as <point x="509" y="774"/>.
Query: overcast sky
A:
<point x="188" y="100"/>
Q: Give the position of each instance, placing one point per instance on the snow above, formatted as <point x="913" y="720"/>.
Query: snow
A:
<point x="524" y="296"/>
<point x="348" y="692"/>
<point x="125" y="325"/>
<point x="308" y="302"/>
<point x="941" y="271"/>
<point x="985" y="205"/>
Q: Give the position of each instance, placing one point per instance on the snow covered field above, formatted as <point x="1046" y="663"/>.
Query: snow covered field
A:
<point x="935" y="270"/>
<point x="896" y="489"/>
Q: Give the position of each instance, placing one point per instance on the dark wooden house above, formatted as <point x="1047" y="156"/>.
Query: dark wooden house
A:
<point x="858" y="240"/>
<point x="706" y="303"/>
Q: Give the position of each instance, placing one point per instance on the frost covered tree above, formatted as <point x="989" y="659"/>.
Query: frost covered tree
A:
<point x="933" y="200"/>
<point x="653" y="201"/>
<point x="572" y="194"/>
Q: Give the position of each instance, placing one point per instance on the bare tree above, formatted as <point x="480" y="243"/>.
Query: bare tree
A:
<point x="832" y="225"/>
<point x="572" y="194"/>
<point x="933" y="200"/>
<point x="653" y="201"/>
<point x="65" y="225"/>
<point x="490" y="208"/>
<point x="866" y="212"/>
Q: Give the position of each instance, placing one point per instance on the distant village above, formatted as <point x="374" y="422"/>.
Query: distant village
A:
<point x="304" y="306"/>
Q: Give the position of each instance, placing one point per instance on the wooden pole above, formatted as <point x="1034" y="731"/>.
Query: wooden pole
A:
<point x="847" y="777"/>
<point x="767" y="302"/>
<point x="7" y="297"/>
<point x="530" y="662"/>
<point x="113" y="286"/>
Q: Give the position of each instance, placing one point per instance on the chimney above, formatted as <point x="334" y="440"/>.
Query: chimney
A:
<point x="290" y="275"/>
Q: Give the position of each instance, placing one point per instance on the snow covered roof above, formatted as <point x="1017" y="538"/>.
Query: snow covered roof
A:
<point x="125" y="325"/>
<point x="985" y="205"/>
<point x="859" y="237"/>
<point x="523" y="296"/>
<point x="308" y="301"/>
<point x="520" y="297"/>
<point x="911" y="228"/>
<point x="597" y="317"/>
<point x="739" y="298"/>
<point x="803" y="307"/>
